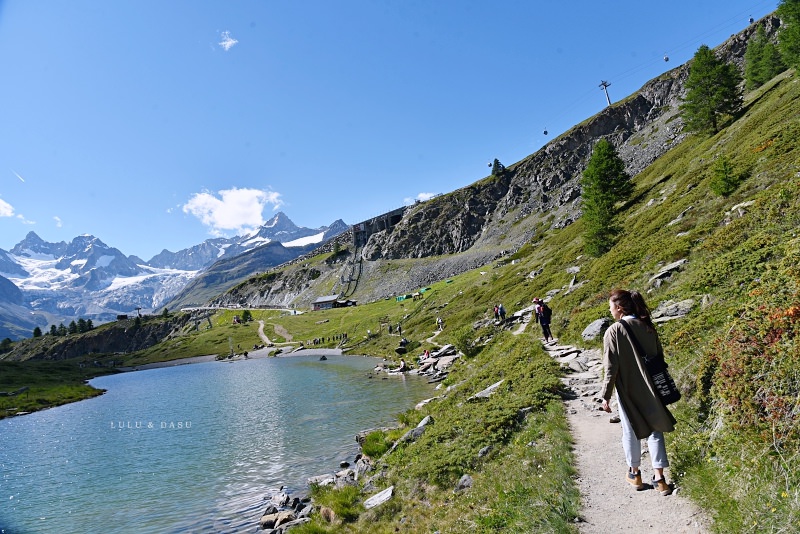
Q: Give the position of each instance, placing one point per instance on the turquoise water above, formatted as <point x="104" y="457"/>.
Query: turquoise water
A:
<point x="191" y="448"/>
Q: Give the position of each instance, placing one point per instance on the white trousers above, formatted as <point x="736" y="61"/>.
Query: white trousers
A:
<point x="633" y="445"/>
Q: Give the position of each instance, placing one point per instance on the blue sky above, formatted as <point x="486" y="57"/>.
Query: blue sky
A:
<point x="154" y="124"/>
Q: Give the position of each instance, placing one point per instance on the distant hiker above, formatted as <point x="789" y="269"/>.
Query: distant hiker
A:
<point x="543" y="315"/>
<point x="641" y="411"/>
<point x="399" y="330"/>
<point x="496" y="313"/>
<point x="390" y="330"/>
<point x="502" y="312"/>
<point x="440" y="323"/>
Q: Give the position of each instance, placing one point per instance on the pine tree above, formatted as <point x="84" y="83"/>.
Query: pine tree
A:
<point x="497" y="167"/>
<point x="724" y="180"/>
<point x="37" y="332"/>
<point x="72" y="328"/>
<point x="247" y="316"/>
<point x="62" y="330"/>
<point x="604" y="184"/>
<point x="6" y="344"/>
<point x="762" y="60"/>
<point x="789" y="36"/>
<point x="89" y="325"/>
<point x="712" y="91"/>
<point x="53" y="330"/>
<point x="82" y="325"/>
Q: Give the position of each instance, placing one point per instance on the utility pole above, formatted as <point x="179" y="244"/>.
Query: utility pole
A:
<point x="604" y="86"/>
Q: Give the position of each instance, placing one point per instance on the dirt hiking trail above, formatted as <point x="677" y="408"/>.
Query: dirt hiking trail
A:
<point x="609" y="504"/>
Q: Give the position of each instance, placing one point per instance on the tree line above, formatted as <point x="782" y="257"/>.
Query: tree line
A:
<point x="75" y="327"/>
<point x="713" y="97"/>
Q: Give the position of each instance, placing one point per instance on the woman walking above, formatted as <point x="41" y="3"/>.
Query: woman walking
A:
<point x="641" y="411"/>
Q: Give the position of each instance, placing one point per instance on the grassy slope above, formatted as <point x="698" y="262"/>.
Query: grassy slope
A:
<point x="726" y="456"/>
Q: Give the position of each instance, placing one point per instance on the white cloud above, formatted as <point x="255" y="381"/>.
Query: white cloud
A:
<point x="421" y="197"/>
<point x="6" y="209"/>
<point x="23" y="220"/>
<point x="238" y="210"/>
<point x="227" y="41"/>
<point x="57" y="219"/>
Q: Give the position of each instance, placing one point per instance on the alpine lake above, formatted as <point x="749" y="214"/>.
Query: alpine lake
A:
<point x="192" y="448"/>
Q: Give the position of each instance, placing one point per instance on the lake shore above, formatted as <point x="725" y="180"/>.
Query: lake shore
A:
<point x="266" y="352"/>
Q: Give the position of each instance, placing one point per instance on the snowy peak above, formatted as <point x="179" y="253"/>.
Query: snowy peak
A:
<point x="95" y="261"/>
<point x="34" y="246"/>
<point x="279" y="228"/>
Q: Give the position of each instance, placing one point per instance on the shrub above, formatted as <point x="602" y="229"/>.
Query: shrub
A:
<point x="375" y="444"/>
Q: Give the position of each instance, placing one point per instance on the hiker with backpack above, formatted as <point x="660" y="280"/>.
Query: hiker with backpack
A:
<point x="543" y="314"/>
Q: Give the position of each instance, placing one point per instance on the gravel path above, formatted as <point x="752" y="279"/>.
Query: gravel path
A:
<point x="609" y="504"/>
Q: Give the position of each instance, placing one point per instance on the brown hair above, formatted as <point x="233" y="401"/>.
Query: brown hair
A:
<point x="632" y="303"/>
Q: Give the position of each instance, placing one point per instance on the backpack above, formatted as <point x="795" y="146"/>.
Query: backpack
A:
<point x="546" y="312"/>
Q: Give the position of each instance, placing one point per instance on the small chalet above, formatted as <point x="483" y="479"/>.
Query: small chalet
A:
<point x="331" y="301"/>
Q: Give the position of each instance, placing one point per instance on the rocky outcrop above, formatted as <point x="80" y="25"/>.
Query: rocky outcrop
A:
<point x="472" y="221"/>
<point x="123" y="336"/>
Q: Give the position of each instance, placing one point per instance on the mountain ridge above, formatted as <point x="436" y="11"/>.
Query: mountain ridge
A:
<point x="59" y="282"/>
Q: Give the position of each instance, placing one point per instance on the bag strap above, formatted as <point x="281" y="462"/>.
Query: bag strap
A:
<point x="637" y="349"/>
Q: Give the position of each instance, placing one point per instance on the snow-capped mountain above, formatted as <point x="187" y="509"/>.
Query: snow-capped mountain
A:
<point x="280" y="228"/>
<point x="86" y="278"/>
<point x="44" y="282"/>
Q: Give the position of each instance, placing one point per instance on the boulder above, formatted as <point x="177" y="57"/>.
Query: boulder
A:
<point x="669" y="310"/>
<point x="486" y="393"/>
<point x="465" y="482"/>
<point x="595" y="329"/>
<point x="275" y="520"/>
<point x="322" y="480"/>
<point x="667" y="270"/>
<point x="379" y="498"/>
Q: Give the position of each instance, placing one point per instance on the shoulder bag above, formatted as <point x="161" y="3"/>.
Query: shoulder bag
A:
<point x="657" y="369"/>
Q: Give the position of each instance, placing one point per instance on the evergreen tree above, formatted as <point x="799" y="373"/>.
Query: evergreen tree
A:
<point x="89" y="325"/>
<point x="762" y="60"/>
<point x="53" y="330"/>
<point x="712" y="90"/>
<point x="62" y="330"/>
<point x="724" y="180"/>
<point x="82" y="325"/>
<point x="72" y="328"/>
<point x="497" y="167"/>
<point x="37" y="332"/>
<point x="604" y="183"/>
<point x="789" y="36"/>
<point x="165" y="313"/>
<point x="247" y="316"/>
<point x="6" y="344"/>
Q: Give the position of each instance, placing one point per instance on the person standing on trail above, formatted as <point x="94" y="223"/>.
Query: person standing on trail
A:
<point x="641" y="411"/>
<point x="543" y="314"/>
<point x="502" y="311"/>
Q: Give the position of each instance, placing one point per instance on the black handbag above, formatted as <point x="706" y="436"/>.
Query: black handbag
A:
<point x="657" y="369"/>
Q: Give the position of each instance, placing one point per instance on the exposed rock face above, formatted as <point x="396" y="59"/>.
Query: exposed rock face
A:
<point x="123" y="336"/>
<point x="642" y="128"/>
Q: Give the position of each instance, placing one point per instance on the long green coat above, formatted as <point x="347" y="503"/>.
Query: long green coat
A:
<point x="624" y="371"/>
